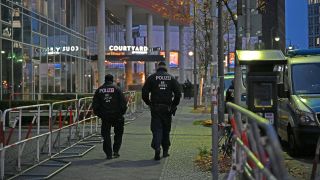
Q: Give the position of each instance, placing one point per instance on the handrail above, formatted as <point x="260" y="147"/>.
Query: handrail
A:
<point x="258" y="146"/>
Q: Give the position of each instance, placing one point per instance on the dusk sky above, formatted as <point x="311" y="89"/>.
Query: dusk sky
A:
<point x="297" y="23"/>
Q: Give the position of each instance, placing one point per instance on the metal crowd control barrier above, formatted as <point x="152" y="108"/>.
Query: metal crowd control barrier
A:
<point x="256" y="152"/>
<point x="64" y="121"/>
<point x="85" y="111"/>
<point x="315" y="162"/>
<point x="131" y="104"/>
<point x="64" y="113"/>
<point x="61" y="117"/>
<point x="20" y="143"/>
<point x="40" y="96"/>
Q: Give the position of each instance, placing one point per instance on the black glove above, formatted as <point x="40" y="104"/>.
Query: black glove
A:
<point x="173" y="110"/>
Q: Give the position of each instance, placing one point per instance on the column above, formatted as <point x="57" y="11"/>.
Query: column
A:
<point x="181" y="54"/>
<point x="167" y="41"/>
<point x="101" y="25"/>
<point x="149" y="65"/>
<point x="128" y="42"/>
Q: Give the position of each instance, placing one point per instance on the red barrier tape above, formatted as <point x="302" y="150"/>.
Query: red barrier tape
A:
<point x="60" y="119"/>
<point x="1" y="133"/>
<point x="29" y="130"/>
<point x="10" y="134"/>
<point x="70" y="120"/>
<point x="234" y="126"/>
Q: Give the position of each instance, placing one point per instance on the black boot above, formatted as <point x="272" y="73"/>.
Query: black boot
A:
<point x="157" y="155"/>
<point x="116" y="155"/>
<point x="165" y="153"/>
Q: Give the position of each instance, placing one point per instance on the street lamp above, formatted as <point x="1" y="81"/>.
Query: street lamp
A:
<point x="277" y="39"/>
<point x="274" y="38"/>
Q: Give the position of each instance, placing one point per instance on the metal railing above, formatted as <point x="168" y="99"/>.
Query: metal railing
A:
<point x="85" y="110"/>
<point x="20" y="143"/>
<point x="256" y="152"/>
<point x="65" y="120"/>
<point x="64" y="113"/>
<point x="131" y="104"/>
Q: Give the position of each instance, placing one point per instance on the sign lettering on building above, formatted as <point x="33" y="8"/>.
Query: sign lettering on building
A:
<point x="57" y="50"/>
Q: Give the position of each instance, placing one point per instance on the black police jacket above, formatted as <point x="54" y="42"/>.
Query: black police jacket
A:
<point x="109" y="101"/>
<point x="163" y="87"/>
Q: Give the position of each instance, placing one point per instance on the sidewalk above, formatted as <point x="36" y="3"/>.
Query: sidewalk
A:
<point x="136" y="160"/>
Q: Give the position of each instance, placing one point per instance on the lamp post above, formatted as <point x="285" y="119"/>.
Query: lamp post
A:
<point x="195" y="93"/>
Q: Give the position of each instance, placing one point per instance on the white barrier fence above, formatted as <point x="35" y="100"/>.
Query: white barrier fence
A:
<point x="58" y="125"/>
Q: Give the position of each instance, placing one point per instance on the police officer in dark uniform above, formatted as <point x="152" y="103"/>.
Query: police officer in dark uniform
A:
<point x="110" y="105"/>
<point x="165" y="96"/>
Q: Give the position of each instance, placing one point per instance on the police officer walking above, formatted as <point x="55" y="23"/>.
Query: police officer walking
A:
<point x="165" y="96"/>
<point x="110" y="105"/>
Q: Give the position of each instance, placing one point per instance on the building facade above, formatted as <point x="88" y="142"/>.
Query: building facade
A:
<point x="314" y="23"/>
<point x="47" y="45"/>
<point x="273" y="24"/>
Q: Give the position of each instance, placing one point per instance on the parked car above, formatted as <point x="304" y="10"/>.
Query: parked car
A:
<point x="299" y="101"/>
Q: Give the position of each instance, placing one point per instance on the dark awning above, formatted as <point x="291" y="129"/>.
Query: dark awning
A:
<point x="144" y="57"/>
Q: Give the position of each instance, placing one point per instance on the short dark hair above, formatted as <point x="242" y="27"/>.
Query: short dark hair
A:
<point x="162" y="65"/>
<point x="108" y="78"/>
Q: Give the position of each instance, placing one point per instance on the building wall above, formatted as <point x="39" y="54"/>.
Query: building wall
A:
<point x="314" y="23"/>
<point x="158" y="41"/>
<point x="44" y="46"/>
<point x="273" y="24"/>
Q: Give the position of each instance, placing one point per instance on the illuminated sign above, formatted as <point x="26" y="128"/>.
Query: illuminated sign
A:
<point x="231" y="60"/>
<point x="174" y="58"/>
<point x="133" y="49"/>
<point x="57" y="50"/>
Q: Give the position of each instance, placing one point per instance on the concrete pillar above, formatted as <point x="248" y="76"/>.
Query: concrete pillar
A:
<point x="181" y="54"/>
<point x="128" y="66"/>
<point x="149" y="65"/>
<point x="101" y="26"/>
<point x="167" y="41"/>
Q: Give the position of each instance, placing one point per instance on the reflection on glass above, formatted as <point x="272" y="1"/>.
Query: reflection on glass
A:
<point x="305" y="78"/>
<point x="262" y="95"/>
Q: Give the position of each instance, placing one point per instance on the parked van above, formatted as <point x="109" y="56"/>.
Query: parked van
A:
<point x="298" y="111"/>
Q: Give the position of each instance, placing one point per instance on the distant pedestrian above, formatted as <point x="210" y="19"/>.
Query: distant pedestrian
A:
<point x="187" y="89"/>
<point x="230" y="92"/>
<point x="165" y="97"/>
<point x="110" y="105"/>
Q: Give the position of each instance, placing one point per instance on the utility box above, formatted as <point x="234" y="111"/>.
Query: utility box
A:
<point x="262" y="80"/>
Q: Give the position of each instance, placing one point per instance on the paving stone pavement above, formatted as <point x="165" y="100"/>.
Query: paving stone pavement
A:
<point x="136" y="160"/>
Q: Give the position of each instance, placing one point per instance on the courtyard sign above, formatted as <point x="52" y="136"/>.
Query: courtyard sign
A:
<point x="133" y="49"/>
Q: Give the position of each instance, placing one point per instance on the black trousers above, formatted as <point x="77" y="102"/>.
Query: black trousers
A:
<point x="118" y="124"/>
<point x="160" y="126"/>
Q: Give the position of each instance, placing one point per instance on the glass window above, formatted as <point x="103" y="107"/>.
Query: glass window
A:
<point x="35" y="25"/>
<point x="35" y="39"/>
<point x="43" y="28"/>
<point x="43" y="71"/>
<point x="6" y="68"/>
<point x="43" y="41"/>
<point x="6" y="13"/>
<point x="6" y="31"/>
<point x="301" y="72"/>
<point x="17" y="59"/>
<point x="26" y="29"/>
<point x="50" y="40"/>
